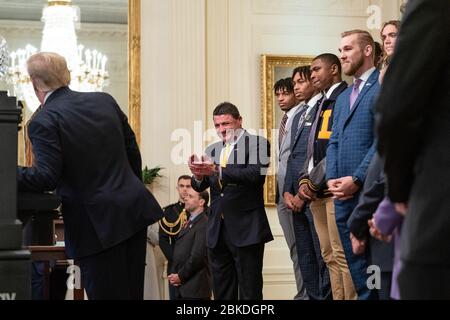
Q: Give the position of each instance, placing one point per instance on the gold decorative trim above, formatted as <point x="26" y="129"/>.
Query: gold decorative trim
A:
<point x="134" y="67"/>
<point x="59" y="3"/>
<point x="268" y="65"/>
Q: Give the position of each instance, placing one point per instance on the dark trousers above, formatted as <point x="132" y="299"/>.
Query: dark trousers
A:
<point x="424" y="282"/>
<point x="236" y="271"/>
<point x="314" y="271"/>
<point x="118" y="272"/>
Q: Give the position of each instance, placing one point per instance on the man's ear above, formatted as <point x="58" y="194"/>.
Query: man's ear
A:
<point x="368" y="50"/>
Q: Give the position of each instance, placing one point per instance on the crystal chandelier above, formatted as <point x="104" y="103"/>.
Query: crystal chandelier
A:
<point x="87" y="67"/>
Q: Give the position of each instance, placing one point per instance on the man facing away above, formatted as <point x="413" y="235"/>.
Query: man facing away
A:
<point x="352" y="143"/>
<point x="190" y="275"/>
<point x="284" y="93"/>
<point x="84" y="148"/>
<point x="326" y="77"/>
<point x="235" y="170"/>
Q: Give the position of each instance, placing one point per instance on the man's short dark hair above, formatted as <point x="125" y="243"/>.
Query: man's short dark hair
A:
<point x="330" y="59"/>
<point x="184" y="177"/>
<point x="227" y="108"/>
<point x="284" y="84"/>
<point x="205" y="196"/>
<point x="304" y="71"/>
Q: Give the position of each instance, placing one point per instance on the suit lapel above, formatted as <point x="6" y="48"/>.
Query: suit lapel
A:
<point x="191" y="225"/>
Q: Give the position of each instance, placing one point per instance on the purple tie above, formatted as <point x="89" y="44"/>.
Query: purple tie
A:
<point x="355" y="92"/>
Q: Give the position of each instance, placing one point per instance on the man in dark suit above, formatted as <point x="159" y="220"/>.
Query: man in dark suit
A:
<point x="170" y="225"/>
<point x="190" y="275"/>
<point x="352" y="143"/>
<point x="235" y="171"/>
<point x="84" y="148"/>
<point x="314" y="271"/>
<point x="326" y="77"/>
<point x="413" y="128"/>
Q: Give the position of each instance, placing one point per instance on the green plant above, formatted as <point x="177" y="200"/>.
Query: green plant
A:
<point x="149" y="175"/>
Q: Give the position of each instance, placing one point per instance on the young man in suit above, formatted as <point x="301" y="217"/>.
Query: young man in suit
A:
<point x="170" y="225"/>
<point x="284" y="93"/>
<point x="326" y="77"/>
<point x="235" y="170"/>
<point x="84" y="148"/>
<point x="413" y="128"/>
<point x="314" y="272"/>
<point x="190" y="275"/>
<point x="352" y="143"/>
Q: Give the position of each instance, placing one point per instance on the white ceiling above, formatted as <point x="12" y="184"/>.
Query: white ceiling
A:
<point x="98" y="11"/>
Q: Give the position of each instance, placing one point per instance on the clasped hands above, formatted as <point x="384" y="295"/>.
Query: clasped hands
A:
<point x="342" y="188"/>
<point x="174" y="279"/>
<point x="202" y="167"/>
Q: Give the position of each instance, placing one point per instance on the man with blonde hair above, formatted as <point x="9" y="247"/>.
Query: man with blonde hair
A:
<point x="352" y="144"/>
<point x="85" y="149"/>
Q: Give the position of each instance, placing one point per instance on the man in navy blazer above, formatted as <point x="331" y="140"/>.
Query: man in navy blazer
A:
<point x="352" y="143"/>
<point x="84" y="148"/>
<point x="235" y="171"/>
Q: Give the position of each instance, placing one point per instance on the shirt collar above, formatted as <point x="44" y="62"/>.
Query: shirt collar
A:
<point x="364" y="77"/>
<point x="48" y="95"/>
<point x="237" y="138"/>
<point x="332" y="88"/>
<point x="292" y="111"/>
<point x="312" y="102"/>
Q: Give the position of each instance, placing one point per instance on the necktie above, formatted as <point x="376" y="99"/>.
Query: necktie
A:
<point x="355" y="92"/>
<point x="224" y="157"/>
<point x="282" y="130"/>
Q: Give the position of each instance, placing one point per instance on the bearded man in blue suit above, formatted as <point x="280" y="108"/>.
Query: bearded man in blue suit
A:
<point x="352" y="144"/>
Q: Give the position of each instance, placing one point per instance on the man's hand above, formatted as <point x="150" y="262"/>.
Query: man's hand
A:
<point x="401" y="207"/>
<point x="358" y="246"/>
<point x="297" y="203"/>
<point x="288" y="200"/>
<point x="201" y="168"/>
<point x="174" y="279"/>
<point x="305" y="193"/>
<point x="342" y="188"/>
<point x="376" y="233"/>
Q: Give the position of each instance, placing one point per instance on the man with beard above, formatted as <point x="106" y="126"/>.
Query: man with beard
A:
<point x="352" y="143"/>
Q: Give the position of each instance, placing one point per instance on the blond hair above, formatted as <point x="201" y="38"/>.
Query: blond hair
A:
<point x="364" y="38"/>
<point x="48" y="71"/>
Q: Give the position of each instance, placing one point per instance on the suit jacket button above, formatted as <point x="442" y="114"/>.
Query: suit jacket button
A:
<point x="221" y="194"/>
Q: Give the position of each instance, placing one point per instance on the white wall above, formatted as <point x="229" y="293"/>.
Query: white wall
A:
<point x="198" y="53"/>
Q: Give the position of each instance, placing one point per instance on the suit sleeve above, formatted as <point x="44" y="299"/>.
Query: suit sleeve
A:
<point x="410" y="82"/>
<point x="372" y="195"/>
<point x="46" y="171"/>
<point x="255" y="172"/>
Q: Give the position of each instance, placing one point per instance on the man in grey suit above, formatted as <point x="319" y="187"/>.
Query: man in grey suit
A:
<point x="284" y="93"/>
